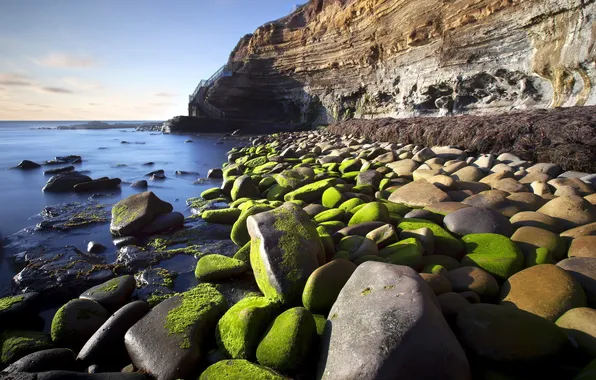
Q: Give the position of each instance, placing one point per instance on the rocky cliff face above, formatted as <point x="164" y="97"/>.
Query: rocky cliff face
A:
<point x="340" y="59"/>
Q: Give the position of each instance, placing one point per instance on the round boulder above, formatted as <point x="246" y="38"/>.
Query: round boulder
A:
<point x="75" y="322"/>
<point x="324" y="285"/>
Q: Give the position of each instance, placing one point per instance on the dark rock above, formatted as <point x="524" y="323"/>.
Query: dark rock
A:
<point x="15" y="344"/>
<point x="98" y="185"/>
<point x="65" y="375"/>
<point x="475" y="220"/>
<point x="215" y="173"/>
<point x="160" y="171"/>
<point x="112" y="294"/>
<point x="75" y="322"/>
<point x="135" y="212"/>
<point x="398" y="335"/>
<point x="583" y="269"/>
<point x="66" y="216"/>
<point x="164" y="222"/>
<point x="59" y="170"/>
<point x="150" y="163"/>
<point x="168" y="342"/>
<point x="182" y="172"/>
<point x="95" y="247"/>
<point x="358" y="229"/>
<point x="142" y="184"/>
<point x="65" y="182"/>
<point x="13" y="309"/>
<point x="106" y="346"/>
<point x="45" y="360"/>
<point x="27" y="165"/>
<point x="157" y="177"/>
<point x="425" y="214"/>
<point x="124" y="241"/>
<point x="188" y="141"/>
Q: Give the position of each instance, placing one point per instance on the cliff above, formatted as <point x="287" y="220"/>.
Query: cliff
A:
<point x="340" y="59"/>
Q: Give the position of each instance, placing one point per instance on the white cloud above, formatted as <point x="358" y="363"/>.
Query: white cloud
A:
<point x="66" y="61"/>
<point x="82" y="84"/>
<point x="14" y="79"/>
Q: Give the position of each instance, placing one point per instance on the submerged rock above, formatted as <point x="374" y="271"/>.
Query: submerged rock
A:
<point x="66" y="216"/>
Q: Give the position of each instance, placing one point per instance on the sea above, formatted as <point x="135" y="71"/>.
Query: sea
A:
<point x="119" y="152"/>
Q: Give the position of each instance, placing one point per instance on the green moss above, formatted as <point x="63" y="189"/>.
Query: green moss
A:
<point x="350" y="165"/>
<point x="494" y="253"/>
<point x="7" y="302"/>
<point x="434" y="269"/>
<point x="239" y="234"/>
<point x="18" y="343"/>
<point x="243" y="253"/>
<point x="292" y="179"/>
<point x="540" y="255"/>
<point x="267" y="182"/>
<point x="406" y="252"/>
<point x="239" y="369"/>
<point x="374" y="211"/>
<point x="218" y="267"/>
<point x="350" y="204"/>
<point x="350" y="176"/>
<point x="366" y="291"/>
<point x="332" y="197"/>
<point x="255" y="162"/>
<point x="259" y="271"/>
<point x="106" y="287"/>
<point x="287" y="343"/>
<point x="199" y="305"/>
<point x="211" y="193"/>
<point x="445" y="243"/>
<point x="277" y="193"/>
<point x="167" y="277"/>
<point x="157" y="297"/>
<point x="241" y="328"/>
<point x="223" y="216"/>
<point x="320" y="322"/>
<point x="397" y="208"/>
<point x="329" y="215"/>
<point x="311" y="193"/>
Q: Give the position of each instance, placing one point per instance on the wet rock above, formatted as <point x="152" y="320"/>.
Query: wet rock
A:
<point x="362" y="308"/>
<point x="154" y="285"/>
<point x="285" y="250"/>
<point x="66" y="216"/>
<point x="216" y="267"/>
<point x="157" y="177"/>
<point x="59" y="170"/>
<point x="124" y="241"/>
<point x="75" y="322"/>
<point x="15" y="344"/>
<point x="101" y="184"/>
<point x="130" y="215"/>
<point x="106" y="346"/>
<point x="215" y="173"/>
<point x="168" y="342"/>
<point x="14" y="309"/>
<point x="28" y="165"/>
<point x="164" y="222"/>
<point x="45" y="360"/>
<point x="95" y="247"/>
<point x="183" y="173"/>
<point x="142" y="184"/>
<point x="112" y="294"/>
<point x="65" y="182"/>
<point x="473" y="220"/>
<point x="150" y="163"/>
<point x="158" y="172"/>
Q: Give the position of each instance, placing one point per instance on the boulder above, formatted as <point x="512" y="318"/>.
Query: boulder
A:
<point x="529" y="239"/>
<point x="443" y="242"/>
<point x="583" y="246"/>
<point x="285" y="250"/>
<point x="239" y="369"/>
<point x="44" y="360"/>
<point x="580" y="326"/>
<point x="142" y="184"/>
<point x="535" y="219"/>
<point x="112" y="294"/>
<point x="168" y="342"/>
<point x="27" y="165"/>
<point x="94" y="247"/>
<point x="357" y="246"/>
<point x="583" y="270"/>
<point x="438" y="283"/>
<point x="374" y="332"/>
<point x="215" y="173"/>
<point x="475" y="220"/>
<point x="474" y="279"/>
<point x="164" y="222"/>
<point x="223" y="215"/>
<point x="324" y="284"/>
<point x="571" y="211"/>
<point x="65" y="182"/>
<point x="15" y="344"/>
<point x="219" y="267"/>
<point x="545" y="290"/>
<point x="370" y="212"/>
<point x="131" y="214"/>
<point x="419" y="194"/>
<point x="244" y="187"/>
<point x="76" y="321"/>
<point x="494" y="253"/>
<point x="101" y="184"/>
<point x="59" y="170"/>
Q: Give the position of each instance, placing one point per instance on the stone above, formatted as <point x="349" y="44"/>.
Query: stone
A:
<point x="577" y="184"/>
<point x="403" y="168"/>
<point x="475" y="279"/>
<point x="164" y="222"/>
<point x="424" y="214"/>
<point x="141" y="184"/>
<point x="239" y="234"/>
<point x="374" y="292"/>
<point x="424" y="235"/>
<point x="101" y="184"/>
<point x="383" y="236"/>
<point x="585" y="230"/>
<point x="528" y="239"/>
<point x="215" y="173"/>
<point x="443" y="242"/>
<point x="445" y="208"/>
<point x="285" y="250"/>
<point x="244" y="187"/>
<point x="549" y="169"/>
<point x="418" y="194"/>
<point x="287" y="343"/>
<point x="14" y="309"/>
<point x="508" y="335"/>
<point x="423" y="155"/>
<point x="451" y="304"/>
<point x="580" y="326"/>
<point x="494" y="253"/>
<point x="535" y="219"/>
<point x="211" y="193"/>
<point x="324" y="284"/>
<point x="441" y="181"/>
<point x="495" y="200"/>
<point x="573" y="211"/>
<point x="332" y="198"/>
<point x="59" y="170"/>
<point x="334" y="214"/>
<point x="545" y="290"/>
<point x="583" y="246"/>
<point x="241" y="328"/>
<point x="223" y="216"/>
<point x="28" y="165"/>
<point x="112" y="294"/>
<point x="361" y="229"/>
<point x="311" y="193"/>
<point x="131" y="214"/>
<point x="468" y="174"/>
<point x="124" y="241"/>
<point x="239" y="369"/>
<point x="475" y="220"/>
<point x="370" y="212"/>
<point x="168" y="342"/>
<point x="438" y="283"/>
<point x="44" y="360"/>
<point x="106" y="346"/>
<point x="65" y="182"/>
<point x="95" y="247"/>
<point x="583" y="270"/>
<point x="216" y="267"/>
<point x="369" y="177"/>
<point x="16" y="344"/>
<point x="358" y="246"/>
<point x="76" y="321"/>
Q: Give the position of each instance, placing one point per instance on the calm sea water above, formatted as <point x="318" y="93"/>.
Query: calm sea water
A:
<point x="21" y="198"/>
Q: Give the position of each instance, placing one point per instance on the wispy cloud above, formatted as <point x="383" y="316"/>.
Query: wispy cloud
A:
<point x="82" y="84"/>
<point x="14" y="79"/>
<point x="56" y="90"/>
<point x="66" y="61"/>
<point x="37" y="105"/>
<point x="165" y="94"/>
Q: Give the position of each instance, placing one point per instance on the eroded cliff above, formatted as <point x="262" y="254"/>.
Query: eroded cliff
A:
<point x="340" y="59"/>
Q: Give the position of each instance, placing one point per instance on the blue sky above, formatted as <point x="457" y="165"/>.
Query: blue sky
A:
<point x="116" y="59"/>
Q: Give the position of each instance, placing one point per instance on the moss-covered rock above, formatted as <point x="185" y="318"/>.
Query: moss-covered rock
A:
<point x="332" y="198"/>
<point x="444" y="242"/>
<point x="529" y="239"/>
<point x="320" y="322"/>
<point x="239" y="234"/>
<point x="443" y="260"/>
<point x="287" y="344"/>
<point x="76" y="321"/>
<point x="329" y="215"/>
<point x="328" y="243"/>
<point x="223" y="216"/>
<point x="277" y="192"/>
<point x="266" y="183"/>
<point x="243" y="254"/>
<point x="17" y="343"/>
<point x="219" y="267"/>
<point x="406" y="252"/>
<point x="350" y="204"/>
<point x="212" y="193"/>
<point x="294" y="178"/>
<point x="244" y="187"/>
<point x="494" y="253"/>
<point x="350" y="165"/>
<point x="311" y="193"/>
<point x="324" y="284"/>
<point x="238" y="202"/>
<point x="358" y="246"/>
<point x="133" y="213"/>
<point x="112" y="294"/>
<point x="241" y="328"/>
<point x="333" y="226"/>
<point x="374" y="211"/>
<point x="383" y="236"/>
<point x="239" y="369"/>
<point x="397" y="208"/>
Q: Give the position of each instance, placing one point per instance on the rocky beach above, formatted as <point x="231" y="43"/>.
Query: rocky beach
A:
<point x="320" y="255"/>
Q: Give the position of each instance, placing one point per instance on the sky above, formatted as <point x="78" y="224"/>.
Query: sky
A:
<point x="117" y="59"/>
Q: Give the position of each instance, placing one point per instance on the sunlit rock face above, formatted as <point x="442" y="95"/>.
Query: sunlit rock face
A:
<point x="338" y="59"/>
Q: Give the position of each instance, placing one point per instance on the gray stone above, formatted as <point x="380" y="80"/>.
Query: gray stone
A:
<point x="131" y="214"/>
<point x="360" y="229"/>
<point x="44" y="360"/>
<point x="65" y="182"/>
<point x="142" y="184"/>
<point x="106" y="347"/>
<point x="474" y="220"/>
<point x="583" y="269"/>
<point x="369" y="177"/>
<point x="375" y="331"/>
<point x="549" y="169"/>
<point x="101" y="184"/>
<point x="112" y="294"/>
<point x="95" y="247"/>
<point x="59" y="170"/>
<point x="164" y="222"/>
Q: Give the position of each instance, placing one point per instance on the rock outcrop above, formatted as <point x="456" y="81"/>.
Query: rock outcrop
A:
<point x="339" y="59"/>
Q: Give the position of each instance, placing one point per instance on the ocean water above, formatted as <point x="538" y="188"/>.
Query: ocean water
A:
<point x="21" y="198"/>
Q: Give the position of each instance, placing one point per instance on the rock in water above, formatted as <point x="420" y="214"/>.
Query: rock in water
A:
<point x="65" y="182"/>
<point x="135" y="212"/>
<point x="167" y="342"/>
<point x="112" y="294"/>
<point x="27" y="165"/>
<point x="98" y="185"/>
<point x="164" y="222"/>
<point x="285" y="250"/>
<point x="385" y="324"/>
<point x="142" y="184"/>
